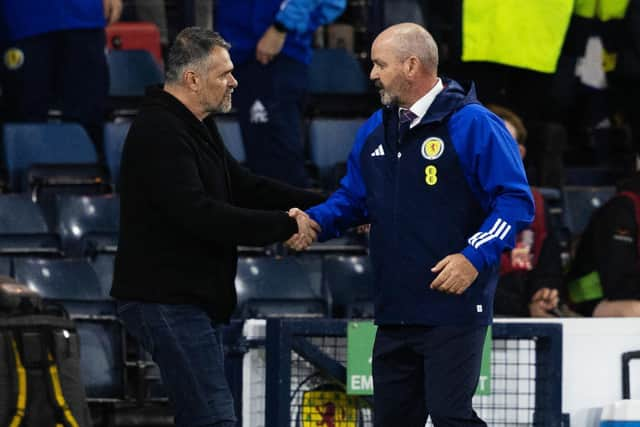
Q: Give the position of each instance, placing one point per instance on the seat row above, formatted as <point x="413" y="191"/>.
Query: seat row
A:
<point x="28" y="147"/>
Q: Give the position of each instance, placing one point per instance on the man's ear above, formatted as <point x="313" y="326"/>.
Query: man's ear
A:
<point x="411" y="66"/>
<point x="191" y="80"/>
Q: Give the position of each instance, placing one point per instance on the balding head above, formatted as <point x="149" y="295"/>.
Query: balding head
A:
<point x="409" y="39"/>
<point x="405" y="64"/>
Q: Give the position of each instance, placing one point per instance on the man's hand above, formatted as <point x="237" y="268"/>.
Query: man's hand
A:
<point x="112" y="10"/>
<point x="307" y="233"/>
<point x="269" y="45"/>
<point x="543" y="301"/>
<point x="455" y="274"/>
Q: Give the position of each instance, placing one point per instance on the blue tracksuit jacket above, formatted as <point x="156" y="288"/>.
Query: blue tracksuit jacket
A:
<point x="243" y="22"/>
<point x="453" y="183"/>
<point x="20" y="18"/>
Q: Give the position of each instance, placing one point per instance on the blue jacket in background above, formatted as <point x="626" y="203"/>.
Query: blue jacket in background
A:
<point x="25" y="18"/>
<point x="455" y="183"/>
<point x="243" y="22"/>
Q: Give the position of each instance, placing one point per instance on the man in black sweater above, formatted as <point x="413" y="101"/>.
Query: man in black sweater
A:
<point x="185" y="206"/>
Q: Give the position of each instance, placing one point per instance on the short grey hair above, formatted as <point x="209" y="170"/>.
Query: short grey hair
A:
<point x="191" y="49"/>
<point x="417" y="41"/>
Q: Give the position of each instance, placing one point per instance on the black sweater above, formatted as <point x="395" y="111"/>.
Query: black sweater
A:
<point x="185" y="206"/>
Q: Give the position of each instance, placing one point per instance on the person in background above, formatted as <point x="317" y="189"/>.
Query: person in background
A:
<point x="604" y="279"/>
<point x="185" y="206"/>
<point x="54" y="59"/>
<point x="531" y="272"/>
<point x="440" y="180"/>
<point x="271" y="49"/>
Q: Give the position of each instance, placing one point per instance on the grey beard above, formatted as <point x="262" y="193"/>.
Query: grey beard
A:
<point x="387" y="99"/>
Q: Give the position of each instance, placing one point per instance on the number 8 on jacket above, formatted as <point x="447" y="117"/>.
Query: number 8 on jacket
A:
<point x="431" y="175"/>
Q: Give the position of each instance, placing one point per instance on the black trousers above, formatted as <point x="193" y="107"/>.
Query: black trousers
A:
<point x="270" y="103"/>
<point x="65" y="70"/>
<point x="426" y="370"/>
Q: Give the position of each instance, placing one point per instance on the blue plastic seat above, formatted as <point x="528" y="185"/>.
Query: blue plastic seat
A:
<point x="102" y="263"/>
<point x="331" y="141"/>
<point x="73" y="282"/>
<point x="232" y="137"/>
<point x="336" y="71"/>
<point x="131" y="71"/>
<point x="88" y="224"/>
<point x="59" y="279"/>
<point x="102" y="361"/>
<point x="350" y="281"/>
<point x="581" y="202"/>
<point x="114" y="137"/>
<point x="26" y="145"/>
<point x="280" y="287"/>
<point x="23" y="229"/>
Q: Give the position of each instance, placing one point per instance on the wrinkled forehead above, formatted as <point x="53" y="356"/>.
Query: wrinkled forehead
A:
<point x="383" y="49"/>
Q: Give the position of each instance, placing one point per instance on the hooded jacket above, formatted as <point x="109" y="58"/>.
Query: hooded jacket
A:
<point x="185" y="206"/>
<point x="452" y="183"/>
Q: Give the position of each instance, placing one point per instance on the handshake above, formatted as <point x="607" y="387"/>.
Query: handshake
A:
<point x="307" y="233"/>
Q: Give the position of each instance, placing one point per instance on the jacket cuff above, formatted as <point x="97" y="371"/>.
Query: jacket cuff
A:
<point x="475" y="257"/>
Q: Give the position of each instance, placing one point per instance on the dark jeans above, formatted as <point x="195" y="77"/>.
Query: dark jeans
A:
<point x="420" y="371"/>
<point x="188" y="350"/>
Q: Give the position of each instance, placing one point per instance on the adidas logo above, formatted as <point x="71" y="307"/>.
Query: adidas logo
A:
<point x="258" y="113"/>
<point x="378" y="151"/>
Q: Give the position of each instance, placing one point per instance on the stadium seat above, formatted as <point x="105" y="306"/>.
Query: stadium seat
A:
<point x="114" y="137"/>
<point x="73" y="282"/>
<point x="350" y="282"/>
<point x="581" y="202"/>
<point x="23" y="229"/>
<point x="5" y="266"/>
<point x="59" y="279"/>
<point x="232" y="137"/>
<point x="65" y="145"/>
<point x="102" y="263"/>
<point x="280" y="287"/>
<point x="131" y="71"/>
<point x="135" y="36"/>
<point x="88" y="224"/>
<point x="330" y="142"/>
<point x="336" y="71"/>
<point x="102" y="362"/>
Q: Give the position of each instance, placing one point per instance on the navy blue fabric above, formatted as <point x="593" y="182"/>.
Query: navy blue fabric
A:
<point x="270" y="102"/>
<point x="243" y="22"/>
<point x="66" y="70"/>
<point x="22" y="19"/>
<point x="421" y="371"/>
<point x="189" y="352"/>
<point x="478" y="185"/>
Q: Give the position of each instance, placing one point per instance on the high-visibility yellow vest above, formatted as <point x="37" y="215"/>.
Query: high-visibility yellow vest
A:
<point x="604" y="10"/>
<point x="524" y="34"/>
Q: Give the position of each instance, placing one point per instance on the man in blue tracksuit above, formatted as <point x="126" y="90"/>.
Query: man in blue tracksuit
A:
<point x="441" y="182"/>
<point x="271" y="49"/>
<point x="53" y="58"/>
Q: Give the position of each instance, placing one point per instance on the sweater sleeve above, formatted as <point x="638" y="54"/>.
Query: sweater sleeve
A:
<point x="177" y="192"/>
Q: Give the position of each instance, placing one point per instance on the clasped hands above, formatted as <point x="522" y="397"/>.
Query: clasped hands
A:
<point x="307" y="233"/>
